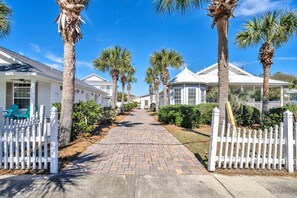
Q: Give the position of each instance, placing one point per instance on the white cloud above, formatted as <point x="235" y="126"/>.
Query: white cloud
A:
<point x="84" y="64"/>
<point x="35" y="47"/>
<point x="286" y="58"/>
<point x="22" y="53"/>
<point x="254" y="7"/>
<point x="54" y="58"/>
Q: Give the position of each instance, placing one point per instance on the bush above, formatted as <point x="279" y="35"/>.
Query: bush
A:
<point x="130" y="106"/>
<point x="248" y="117"/>
<point x="206" y="112"/>
<point x="180" y="115"/>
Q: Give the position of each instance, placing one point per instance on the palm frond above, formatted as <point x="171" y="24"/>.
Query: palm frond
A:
<point x="170" y="6"/>
<point x="5" y="15"/>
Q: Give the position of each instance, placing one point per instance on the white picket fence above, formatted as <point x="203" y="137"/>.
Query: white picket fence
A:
<point x="29" y="144"/>
<point x="235" y="148"/>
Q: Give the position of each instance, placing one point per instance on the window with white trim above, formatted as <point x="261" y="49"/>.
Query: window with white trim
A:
<point x="203" y="95"/>
<point x="177" y="96"/>
<point x="192" y="96"/>
<point x="21" y="94"/>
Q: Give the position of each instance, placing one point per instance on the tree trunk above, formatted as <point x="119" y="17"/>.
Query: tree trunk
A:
<point x="223" y="66"/>
<point x="123" y="93"/>
<point x="157" y="96"/>
<point x="151" y="90"/>
<point x="265" y="100"/>
<point x="129" y="92"/>
<point x="114" y="92"/>
<point x="67" y="94"/>
<point x="165" y="95"/>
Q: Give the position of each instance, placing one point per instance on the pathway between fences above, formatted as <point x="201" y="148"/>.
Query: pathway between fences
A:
<point x="138" y="146"/>
<point x="29" y="144"/>
<point x="234" y="148"/>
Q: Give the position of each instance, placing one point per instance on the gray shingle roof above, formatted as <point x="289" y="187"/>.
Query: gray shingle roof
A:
<point x="20" y="63"/>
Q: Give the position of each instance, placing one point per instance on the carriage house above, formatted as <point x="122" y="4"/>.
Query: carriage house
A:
<point x="193" y="88"/>
<point x="26" y="82"/>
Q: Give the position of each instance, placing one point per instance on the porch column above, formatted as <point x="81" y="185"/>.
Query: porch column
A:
<point x="282" y="95"/>
<point x="32" y="97"/>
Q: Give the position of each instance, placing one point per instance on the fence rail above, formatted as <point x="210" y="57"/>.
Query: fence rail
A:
<point x="235" y="148"/>
<point x="29" y="144"/>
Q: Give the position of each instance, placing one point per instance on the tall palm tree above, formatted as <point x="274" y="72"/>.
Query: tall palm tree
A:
<point x="220" y="11"/>
<point x="163" y="60"/>
<point x="154" y="73"/>
<point x="272" y="30"/>
<point x="149" y="79"/>
<point x="5" y="14"/>
<point x="69" y="22"/>
<point x="130" y="79"/>
<point x="111" y="60"/>
<point x="125" y="71"/>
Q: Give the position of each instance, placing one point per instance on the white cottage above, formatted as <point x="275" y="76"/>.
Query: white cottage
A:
<point x="191" y="89"/>
<point x="25" y="82"/>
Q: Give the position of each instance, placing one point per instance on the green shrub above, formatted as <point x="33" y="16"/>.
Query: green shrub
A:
<point x="130" y="106"/>
<point x="206" y="112"/>
<point x="180" y="115"/>
<point x="85" y="116"/>
<point x="248" y="117"/>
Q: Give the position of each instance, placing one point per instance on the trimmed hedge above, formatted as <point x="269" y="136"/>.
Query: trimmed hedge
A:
<point x="180" y="115"/>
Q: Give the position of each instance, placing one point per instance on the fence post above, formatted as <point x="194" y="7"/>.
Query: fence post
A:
<point x="1" y="118"/>
<point x="213" y="139"/>
<point x="54" y="140"/>
<point x="288" y="131"/>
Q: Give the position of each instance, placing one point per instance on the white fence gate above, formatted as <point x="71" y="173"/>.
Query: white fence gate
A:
<point x="29" y="144"/>
<point x="275" y="148"/>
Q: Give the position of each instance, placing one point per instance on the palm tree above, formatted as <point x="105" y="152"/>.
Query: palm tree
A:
<point x="272" y="30"/>
<point x="154" y="73"/>
<point x="220" y="11"/>
<point x="149" y="79"/>
<point x="5" y="14"/>
<point x="111" y="60"/>
<point x="130" y="79"/>
<point x="69" y="22"/>
<point x="125" y="71"/>
<point x="163" y="60"/>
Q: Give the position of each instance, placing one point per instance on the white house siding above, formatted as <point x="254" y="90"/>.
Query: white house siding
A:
<point x="3" y="94"/>
<point x="143" y="99"/>
<point x="44" y="96"/>
<point x="56" y="93"/>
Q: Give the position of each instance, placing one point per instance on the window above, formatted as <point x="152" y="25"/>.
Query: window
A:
<point x="192" y="96"/>
<point x="21" y="94"/>
<point x="177" y="96"/>
<point x="203" y="95"/>
<point x="108" y="88"/>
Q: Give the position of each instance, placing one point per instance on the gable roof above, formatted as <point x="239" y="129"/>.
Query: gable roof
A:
<point x="187" y="76"/>
<point x="15" y="62"/>
<point x="233" y="68"/>
<point x="94" y="75"/>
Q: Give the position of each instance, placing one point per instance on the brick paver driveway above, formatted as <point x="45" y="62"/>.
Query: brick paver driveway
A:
<point x="138" y="145"/>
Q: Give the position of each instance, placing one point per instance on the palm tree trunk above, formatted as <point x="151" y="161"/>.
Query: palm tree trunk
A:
<point x="67" y="94"/>
<point x="265" y="100"/>
<point x="165" y="95"/>
<point x="157" y="97"/>
<point x="129" y="92"/>
<point x="114" y="92"/>
<point x="151" y="90"/>
<point x="123" y="93"/>
<point x="223" y="66"/>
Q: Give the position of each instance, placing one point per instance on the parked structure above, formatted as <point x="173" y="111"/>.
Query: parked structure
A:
<point x="191" y="89"/>
<point x="25" y="82"/>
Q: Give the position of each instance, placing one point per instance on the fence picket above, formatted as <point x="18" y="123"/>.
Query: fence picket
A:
<point x="23" y="146"/>
<point x="254" y="149"/>
<point x="29" y="129"/>
<point x="226" y="146"/>
<point x="237" y="148"/>
<point x="39" y="146"/>
<point x="296" y="146"/>
<point x="264" y="149"/>
<point x="221" y="145"/>
<point x="280" y="148"/>
<point x="275" y="146"/>
<point x="45" y="129"/>
<point x="242" y="149"/>
<point x="259" y="149"/>
<point x="11" y="133"/>
<point x="248" y="149"/>
<point x="17" y="147"/>
<point x="5" y="146"/>
<point x="34" y="146"/>
<point x="232" y="147"/>
<point x="270" y="148"/>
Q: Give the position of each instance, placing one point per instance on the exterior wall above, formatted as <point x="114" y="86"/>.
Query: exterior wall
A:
<point x="143" y="99"/>
<point x="185" y="92"/>
<point x="44" y="93"/>
<point x="3" y="94"/>
<point x="99" y="83"/>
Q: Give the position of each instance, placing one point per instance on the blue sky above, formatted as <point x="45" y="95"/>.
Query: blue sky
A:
<point x="133" y="24"/>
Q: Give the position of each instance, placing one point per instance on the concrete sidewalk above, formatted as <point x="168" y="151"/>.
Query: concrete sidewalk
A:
<point x="131" y="186"/>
